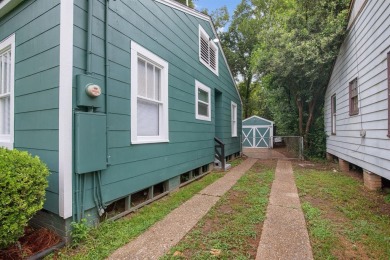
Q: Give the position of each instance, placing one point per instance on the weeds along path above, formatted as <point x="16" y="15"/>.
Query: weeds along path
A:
<point x="232" y="228"/>
<point x="157" y="240"/>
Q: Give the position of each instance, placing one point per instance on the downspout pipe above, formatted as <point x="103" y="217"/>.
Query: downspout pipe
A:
<point x="89" y="37"/>
<point x="107" y="70"/>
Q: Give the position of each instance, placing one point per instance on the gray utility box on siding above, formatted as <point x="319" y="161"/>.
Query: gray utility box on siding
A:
<point x="90" y="142"/>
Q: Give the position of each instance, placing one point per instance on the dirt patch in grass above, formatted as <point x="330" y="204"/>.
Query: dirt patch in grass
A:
<point x="342" y="247"/>
<point x="357" y="220"/>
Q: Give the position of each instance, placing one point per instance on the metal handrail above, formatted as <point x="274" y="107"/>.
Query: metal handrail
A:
<point x="220" y="155"/>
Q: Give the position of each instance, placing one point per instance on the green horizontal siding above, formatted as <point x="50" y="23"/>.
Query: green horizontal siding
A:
<point x="36" y="28"/>
<point x="173" y="36"/>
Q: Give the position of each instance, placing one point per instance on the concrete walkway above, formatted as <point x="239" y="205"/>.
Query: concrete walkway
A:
<point x="157" y="240"/>
<point x="284" y="234"/>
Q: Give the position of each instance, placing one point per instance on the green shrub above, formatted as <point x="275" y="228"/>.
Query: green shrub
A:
<point x="23" y="180"/>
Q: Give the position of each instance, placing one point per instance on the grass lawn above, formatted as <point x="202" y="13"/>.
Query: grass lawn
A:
<point x="232" y="228"/>
<point x="100" y="242"/>
<point x="344" y="220"/>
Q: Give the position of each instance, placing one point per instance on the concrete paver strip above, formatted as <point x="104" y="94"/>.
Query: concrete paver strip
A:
<point x="224" y="184"/>
<point x="158" y="239"/>
<point x="261" y="153"/>
<point x="284" y="234"/>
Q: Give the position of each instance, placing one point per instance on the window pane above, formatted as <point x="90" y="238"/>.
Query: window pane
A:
<point x="355" y="105"/>
<point x="6" y="72"/>
<point x="157" y="84"/>
<point x="5" y="116"/>
<point x="334" y="104"/>
<point x="141" y="78"/>
<point x="203" y="109"/>
<point x="150" y="81"/>
<point x="203" y="96"/>
<point x="1" y="75"/>
<point x="147" y="118"/>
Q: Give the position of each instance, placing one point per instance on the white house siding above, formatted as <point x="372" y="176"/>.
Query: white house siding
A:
<point x="362" y="55"/>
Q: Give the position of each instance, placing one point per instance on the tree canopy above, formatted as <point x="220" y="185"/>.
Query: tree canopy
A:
<point x="184" y="2"/>
<point x="285" y="50"/>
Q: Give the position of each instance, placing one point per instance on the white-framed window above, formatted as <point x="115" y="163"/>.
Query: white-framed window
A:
<point x="208" y="51"/>
<point x="149" y="97"/>
<point x="202" y="101"/>
<point x="7" y="67"/>
<point x="234" y="119"/>
<point x="333" y="114"/>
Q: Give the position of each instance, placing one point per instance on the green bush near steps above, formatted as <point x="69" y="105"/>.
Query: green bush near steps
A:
<point x="23" y="180"/>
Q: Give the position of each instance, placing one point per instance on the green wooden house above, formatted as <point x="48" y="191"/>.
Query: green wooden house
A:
<point x="123" y="100"/>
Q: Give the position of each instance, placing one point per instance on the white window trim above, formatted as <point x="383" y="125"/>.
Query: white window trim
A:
<point x="4" y="3"/>
<point x="234" y="115"/>
<point x="7" y="141"/>
<point x="203" y="87"/>
<point x="333" y="114"/>
<point x="139" y="51"/>
<point x="211" y="44"/>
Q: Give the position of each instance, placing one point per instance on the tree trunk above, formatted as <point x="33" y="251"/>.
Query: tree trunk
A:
<point x="299" y="103"/>
<point x="248" y="91"/>
<point x="312" y="105"/>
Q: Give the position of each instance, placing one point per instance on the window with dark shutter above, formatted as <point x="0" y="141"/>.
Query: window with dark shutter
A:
<point x="353" y="98"/>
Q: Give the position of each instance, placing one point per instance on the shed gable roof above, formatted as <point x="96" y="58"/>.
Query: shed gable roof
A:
<point x="256" y="120"/>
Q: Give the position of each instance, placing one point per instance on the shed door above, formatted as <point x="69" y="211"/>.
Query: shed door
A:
<point x="256" y="136"/>
<point x="247" y="137"/>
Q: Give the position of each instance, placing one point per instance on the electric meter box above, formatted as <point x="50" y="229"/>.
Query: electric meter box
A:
<point x="89" y="91"/>
<point x="90" y="142"/>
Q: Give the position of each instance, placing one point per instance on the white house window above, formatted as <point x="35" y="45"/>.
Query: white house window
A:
<point x="208" y="51"/>
<point x="333" y="114"/>
<point x="149" y="96"/>
<point x="234" y="119"/>
<point x="7" y="64"/>
<point x="202" y="102"/>
<point x="353" y="98"/>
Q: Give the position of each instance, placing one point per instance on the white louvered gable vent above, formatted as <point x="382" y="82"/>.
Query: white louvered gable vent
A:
<point x="208" y="51"/>
<point x="204" y="49"/>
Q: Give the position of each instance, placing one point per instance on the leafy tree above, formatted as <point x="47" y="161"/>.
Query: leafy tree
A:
<point x="239" y="43"/>
<point x="184" y="2"/>
<point x="297" y="52"/>
<point x="219" y="16"/>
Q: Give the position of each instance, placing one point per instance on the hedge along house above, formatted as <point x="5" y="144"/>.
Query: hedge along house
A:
<point x="117" y="97"/>
<point x="357" y="102"/>
<point x="257" y="132"/>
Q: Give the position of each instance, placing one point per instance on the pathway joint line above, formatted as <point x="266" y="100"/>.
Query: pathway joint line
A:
<point x="209" y="195"/>
<point x="284" y="206"/>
